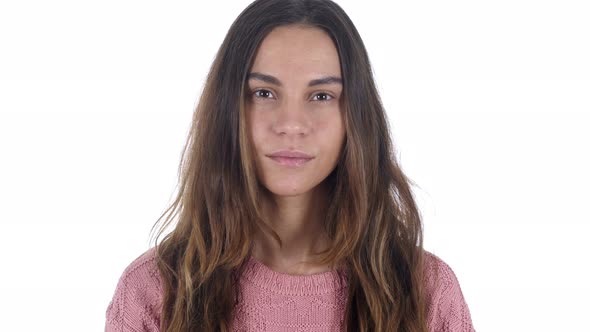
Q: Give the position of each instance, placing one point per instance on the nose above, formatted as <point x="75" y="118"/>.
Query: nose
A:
<point x="291" y="120"/>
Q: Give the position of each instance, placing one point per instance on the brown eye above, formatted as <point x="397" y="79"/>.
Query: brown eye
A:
<point x="324" y="97"/>
<point x="264" y="94"/>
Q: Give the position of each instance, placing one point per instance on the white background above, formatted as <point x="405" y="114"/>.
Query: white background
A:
<point x="488" y="103"/>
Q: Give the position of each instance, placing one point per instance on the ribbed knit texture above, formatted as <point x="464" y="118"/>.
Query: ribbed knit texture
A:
<point x="274" y="301"/>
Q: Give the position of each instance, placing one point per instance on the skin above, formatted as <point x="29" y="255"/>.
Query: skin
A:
<point x="295" y="116"/>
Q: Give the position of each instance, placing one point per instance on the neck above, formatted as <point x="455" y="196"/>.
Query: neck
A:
<point x="298" y="222"/>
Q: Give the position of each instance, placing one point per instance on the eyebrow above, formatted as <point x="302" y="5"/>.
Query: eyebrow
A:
<point x="273" y="80"/>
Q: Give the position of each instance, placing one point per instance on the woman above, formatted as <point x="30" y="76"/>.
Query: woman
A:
<point x="293" y="214"/>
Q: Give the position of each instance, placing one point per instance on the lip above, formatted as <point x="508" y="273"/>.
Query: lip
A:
<point x="290" y="158"/>
<point x="290" y="154"/>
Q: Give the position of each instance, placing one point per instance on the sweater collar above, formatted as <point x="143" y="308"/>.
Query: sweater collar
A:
<point x="283" y="283"/>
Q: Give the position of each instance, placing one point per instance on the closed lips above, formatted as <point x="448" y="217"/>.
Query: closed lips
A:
<point x="290" y="154"/>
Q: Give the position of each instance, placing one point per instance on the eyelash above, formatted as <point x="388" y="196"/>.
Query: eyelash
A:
<point x="319" y="93"/>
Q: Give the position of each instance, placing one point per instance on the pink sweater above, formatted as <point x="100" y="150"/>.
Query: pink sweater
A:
<point x="274" y="301"/>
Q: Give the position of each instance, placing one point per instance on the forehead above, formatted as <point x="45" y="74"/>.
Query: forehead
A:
<point x="294" y="51"/>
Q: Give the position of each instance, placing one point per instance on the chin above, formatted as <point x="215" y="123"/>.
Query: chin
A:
<point x="288" y="189"/>
<point x="287" y="192"/>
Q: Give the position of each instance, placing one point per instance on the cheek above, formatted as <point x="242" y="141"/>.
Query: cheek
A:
<point x="333" y="132"/>
<point x="256" y="130"/>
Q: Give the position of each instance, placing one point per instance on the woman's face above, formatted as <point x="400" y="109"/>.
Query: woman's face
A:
<point x="293" y="105"/>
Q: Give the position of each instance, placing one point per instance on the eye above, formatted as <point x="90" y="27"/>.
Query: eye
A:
<point x="325" y="97"/>
<point x="261" y="93"/>
<point x="266" y="94"/>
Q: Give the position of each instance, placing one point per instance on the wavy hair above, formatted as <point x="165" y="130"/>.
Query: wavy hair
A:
<point x="372" y="221"/>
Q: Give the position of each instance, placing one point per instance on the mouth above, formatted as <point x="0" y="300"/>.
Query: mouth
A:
<point x="290" y="161"/>
<point x="290" y="158"/>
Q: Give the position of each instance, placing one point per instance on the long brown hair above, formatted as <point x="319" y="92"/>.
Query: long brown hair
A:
<point x="372" y="221"/>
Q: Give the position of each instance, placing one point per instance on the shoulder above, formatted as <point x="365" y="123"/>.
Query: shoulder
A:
<point x="439" y="276"/>
<point x="447" y="308"/>
<point x="137" y="300"/>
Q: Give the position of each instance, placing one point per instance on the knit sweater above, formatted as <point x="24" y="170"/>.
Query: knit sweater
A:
<point x="275" y="301"/>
